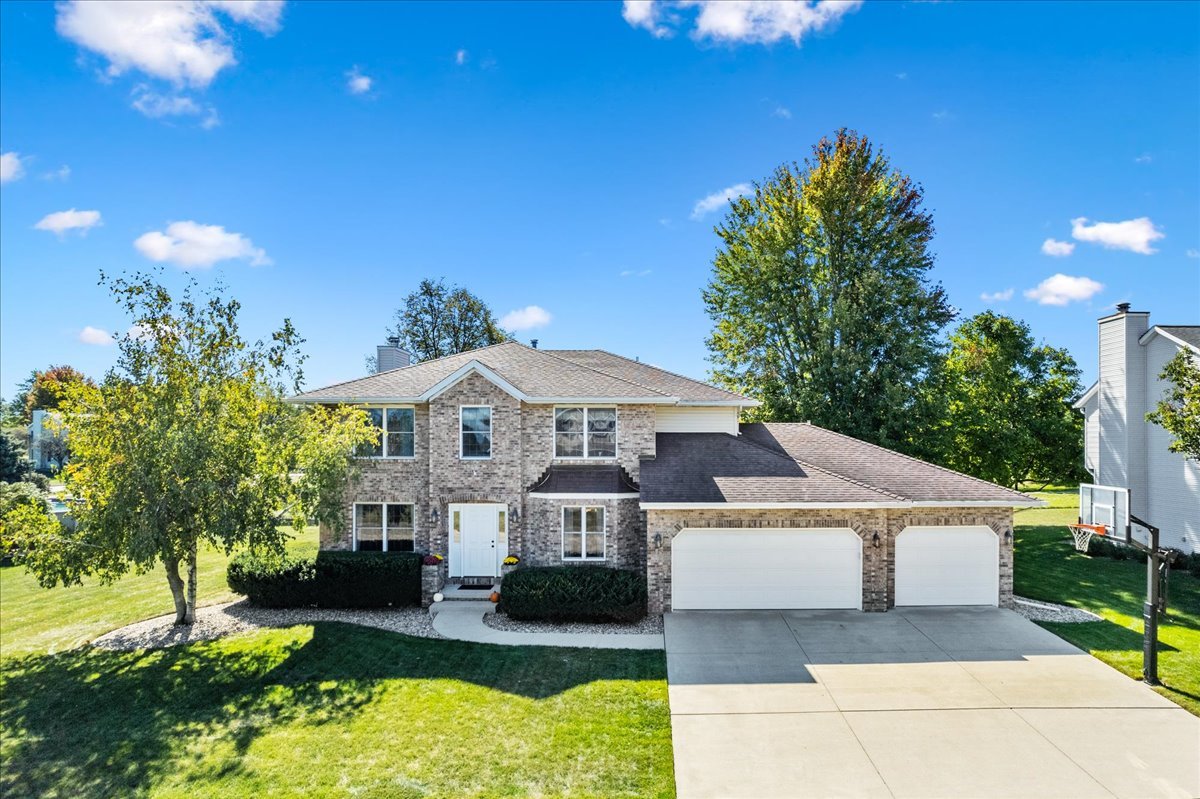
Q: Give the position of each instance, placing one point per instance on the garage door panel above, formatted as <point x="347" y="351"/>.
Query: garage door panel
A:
<point x="784" y="569"/>
<point x="947" y="566"/>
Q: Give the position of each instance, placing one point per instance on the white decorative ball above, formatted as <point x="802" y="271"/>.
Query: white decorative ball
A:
<point x="438" y="597"/>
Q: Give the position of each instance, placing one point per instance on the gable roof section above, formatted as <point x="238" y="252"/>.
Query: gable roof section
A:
<point x="1087" y="397"/>
<point x="1183" y="335"/>
<point x="690" y="392"/>
<point x="915" y="480"/>
<point x="530" y="375"/>
<point x="691" y="469"/>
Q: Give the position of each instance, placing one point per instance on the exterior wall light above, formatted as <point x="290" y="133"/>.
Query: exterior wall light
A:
<point x="434" y="516"/>
<point x="658" y="540"/>
<point x="875" y="539"/>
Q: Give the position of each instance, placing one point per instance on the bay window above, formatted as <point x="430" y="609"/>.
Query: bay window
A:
<point x="583" y="536"/>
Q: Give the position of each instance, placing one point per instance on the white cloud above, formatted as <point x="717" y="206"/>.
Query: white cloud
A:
<point x="460" y="57"/>
<point x="357" y="82"/>
<point x="62" y="173"/>
<point x="61" y="222"/>
<point x="95" y="335"/>
<point x="901" y="76"/>
<point x="1056" y="248"/>
<point x="1060" y="289"/>
<point x="11" y="167"/>
<point x="158" y="106"/>
<point x="942" y="116"/>
<point x="1144" y="158"/>
<point x="781" y="112"/>
<point x="181" y="41"/>
<point x="527" y="318"/>
<point x="1192" y="253"/>
<point x="1134" y="235"/>
<point x="997" y="296"/>
<point x="192" y="245"/>
<point x="738" y="21"/>
<point x="636" y="272"/>
<point x="719" y="198"/>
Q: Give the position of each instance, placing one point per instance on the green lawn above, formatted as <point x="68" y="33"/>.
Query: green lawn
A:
<point x="1049" y="568"/>
<point x="36" y="619"/>
<point x="332" y="709"/>
<point x="325" y="709"/>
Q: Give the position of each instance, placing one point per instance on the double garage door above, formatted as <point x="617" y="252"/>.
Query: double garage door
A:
<point x="822" y="568"/>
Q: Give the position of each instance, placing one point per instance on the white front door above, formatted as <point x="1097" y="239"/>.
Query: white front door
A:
<point x="477" y="539"/>
<point x="766" y="569"/>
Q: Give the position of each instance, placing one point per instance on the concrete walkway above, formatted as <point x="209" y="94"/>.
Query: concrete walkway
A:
<point x="919" y="702"/>
<point x="463" y="621"/>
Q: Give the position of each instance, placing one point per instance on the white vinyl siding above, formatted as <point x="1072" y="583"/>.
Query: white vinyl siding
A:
<point x="684" y="419"/>
<point x="1170" y="483"/>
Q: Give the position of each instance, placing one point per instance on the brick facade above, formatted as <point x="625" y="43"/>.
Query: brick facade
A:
<point x="879" y="559"/>
<point x="624" y="538"/>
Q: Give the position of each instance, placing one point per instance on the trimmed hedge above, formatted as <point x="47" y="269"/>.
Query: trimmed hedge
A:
<point x="573" y="593"/>
<point x="332" y="580"/>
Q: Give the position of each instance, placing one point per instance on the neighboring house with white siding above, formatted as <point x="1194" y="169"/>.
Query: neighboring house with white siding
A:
<point x="1120" y="447"/>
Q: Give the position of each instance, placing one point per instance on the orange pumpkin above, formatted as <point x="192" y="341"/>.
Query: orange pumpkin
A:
<point x="495" y="596"/>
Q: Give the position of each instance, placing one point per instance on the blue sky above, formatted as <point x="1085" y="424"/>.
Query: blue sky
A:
<point x="322" y="158"/>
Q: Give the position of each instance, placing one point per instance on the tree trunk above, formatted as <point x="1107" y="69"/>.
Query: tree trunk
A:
<point x="190" y="608"/>
<point x="176" y="583"/>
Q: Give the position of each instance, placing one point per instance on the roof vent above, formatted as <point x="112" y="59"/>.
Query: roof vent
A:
<point x="533" y="343"/>
<point x="1122" y="307"/>
<point x="390" y="356"/>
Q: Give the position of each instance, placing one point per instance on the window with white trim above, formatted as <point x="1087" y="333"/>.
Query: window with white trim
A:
<point x="395" y="434"/>
<point x="585" y="432"/>
<point x="383" y="527"/>
<point x="475" y="427"/>
<point x="583" y="533"/>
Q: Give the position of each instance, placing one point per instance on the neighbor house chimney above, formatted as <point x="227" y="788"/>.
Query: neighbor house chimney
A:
<point x="1122" y="307"/>
<point x="1121" y="454"/>
<point x="391" y="356"/>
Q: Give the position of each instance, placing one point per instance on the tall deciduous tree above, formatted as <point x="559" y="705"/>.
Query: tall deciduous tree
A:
<point x="1178" y="412"/>
<point x="48" y="387"/>
<point x="821" y="300"/>
<point x="1009" y="418"/>
<point x="188" y="442"/>
<point x="438" y="320"/>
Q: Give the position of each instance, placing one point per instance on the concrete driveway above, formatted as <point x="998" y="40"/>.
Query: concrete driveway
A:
<point x="928" y="702"/>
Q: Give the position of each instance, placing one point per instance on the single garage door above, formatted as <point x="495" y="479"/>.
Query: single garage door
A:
<point x="767" y="569"/>
<point x="947" y="566"/>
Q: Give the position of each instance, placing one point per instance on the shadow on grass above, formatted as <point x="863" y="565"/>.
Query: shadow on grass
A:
<point x="92" y="722"/>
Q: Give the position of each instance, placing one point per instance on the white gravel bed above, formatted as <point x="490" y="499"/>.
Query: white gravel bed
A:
<point x="1048" y="611"/>
<point x="500" y="621"/>
<point x="215" y="621"/>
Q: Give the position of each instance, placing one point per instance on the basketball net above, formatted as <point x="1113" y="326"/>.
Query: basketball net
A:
<point x="1082" y="533"/>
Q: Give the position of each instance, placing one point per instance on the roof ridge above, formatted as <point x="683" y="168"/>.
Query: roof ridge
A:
<point x="598" y="371"/>
<point x="906" y="457"/>
<point x="668" y="371"/>
<point x="409" y="366"/>
<point x="829" y="472"/>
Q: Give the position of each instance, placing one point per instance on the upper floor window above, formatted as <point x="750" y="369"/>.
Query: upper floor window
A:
<point x="475" y="427"/>
<point x="395" y="433"/>
<point x="585" y="432"/>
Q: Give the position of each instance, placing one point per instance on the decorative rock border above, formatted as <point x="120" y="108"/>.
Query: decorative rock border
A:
<point x="215" y="621"/>
<point x="499" y="621"/>
<point x="1049" y="611"/>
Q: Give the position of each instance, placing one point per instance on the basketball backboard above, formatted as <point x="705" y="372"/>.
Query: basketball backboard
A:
<point x="1106" y="505"/>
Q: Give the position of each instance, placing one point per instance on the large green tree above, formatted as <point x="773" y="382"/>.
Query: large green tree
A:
<point x="821" y="300"/>
<point x="47" y="387"/>
<point x="1009" y="417"/>
<point x="189" y="441"/>
<point x="438" y="320"/>
<point x="1178" y="412"/>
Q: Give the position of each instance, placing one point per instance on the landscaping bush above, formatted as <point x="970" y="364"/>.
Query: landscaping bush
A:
<point x="368" y="579"/>
<point x="332" y="580"/>
<point x="573" y="593"/>
<point x="273" y="581"/>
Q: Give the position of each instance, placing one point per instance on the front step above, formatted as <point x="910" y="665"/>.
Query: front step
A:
<point x="455" y="592"/>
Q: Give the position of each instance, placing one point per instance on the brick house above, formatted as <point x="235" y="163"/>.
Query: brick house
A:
<point x="583" y="457"/>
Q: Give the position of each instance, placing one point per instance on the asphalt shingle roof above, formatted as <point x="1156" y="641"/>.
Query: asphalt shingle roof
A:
<point x="537" y="373"/>
<point x="562" y="478"/>
<point x="1188" y="333"/>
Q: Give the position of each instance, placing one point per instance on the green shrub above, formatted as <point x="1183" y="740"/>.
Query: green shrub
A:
<point x="574" y="593"/>
<point x="368" y="579"/>
<point x="332" y="580"/>
<point x="273" y="581"/>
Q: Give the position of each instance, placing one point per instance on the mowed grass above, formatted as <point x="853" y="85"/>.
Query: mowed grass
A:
<point x="310" y="710"/>
<point x="336" y="710"/>
<point x="1048" y="567"/>
<point x="36" y="619"/>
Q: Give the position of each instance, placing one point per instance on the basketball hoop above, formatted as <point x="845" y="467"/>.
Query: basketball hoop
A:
<point x="1082" y="533"/>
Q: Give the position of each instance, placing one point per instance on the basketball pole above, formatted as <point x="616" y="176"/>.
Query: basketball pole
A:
<point x="1154" y="560"/>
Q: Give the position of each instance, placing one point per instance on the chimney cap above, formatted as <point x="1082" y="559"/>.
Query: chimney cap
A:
<point x="533" y="343"/>
<point x="393" y="341"/>
<point x="1123" y="307"/>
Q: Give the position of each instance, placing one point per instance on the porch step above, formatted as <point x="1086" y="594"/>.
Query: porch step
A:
<point x="453" y="592"/>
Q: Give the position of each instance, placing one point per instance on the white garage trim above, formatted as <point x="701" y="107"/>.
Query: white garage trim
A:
<point x="760" y="568"/>
<point x="947" y="565"/>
